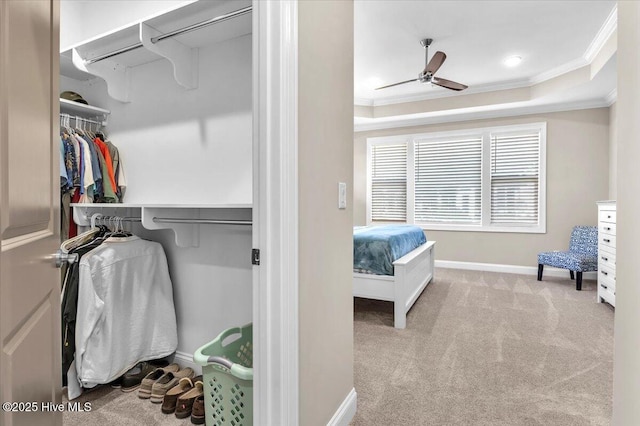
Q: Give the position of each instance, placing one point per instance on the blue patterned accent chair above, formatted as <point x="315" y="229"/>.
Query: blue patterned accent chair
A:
<point x="581" y="257"/>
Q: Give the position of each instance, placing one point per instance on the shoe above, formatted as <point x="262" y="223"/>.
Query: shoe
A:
<point x="117" y="383"/>
<point x="132" y="378"/>
<point x="197" y="411"/>
<point x="184" y="407"/>
<point x="171" y="397"/>
<point x="166" y="382"/>
<point x="147" y="383"/>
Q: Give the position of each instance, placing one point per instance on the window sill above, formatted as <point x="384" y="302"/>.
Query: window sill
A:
<point x="472" y="228"/>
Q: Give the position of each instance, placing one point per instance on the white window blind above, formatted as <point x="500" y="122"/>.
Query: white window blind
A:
<point x="515" y="178"/>
<point x="448" y="180"/>
<point x="389" y="182"/>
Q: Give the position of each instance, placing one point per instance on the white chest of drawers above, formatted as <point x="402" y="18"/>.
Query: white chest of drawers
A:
<point x="607" y="252"/>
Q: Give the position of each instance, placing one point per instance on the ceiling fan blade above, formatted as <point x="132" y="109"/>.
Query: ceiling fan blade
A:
<point x="396" y="84"/>
<point x="448" y="84"/>
<point x="435" y="63"/>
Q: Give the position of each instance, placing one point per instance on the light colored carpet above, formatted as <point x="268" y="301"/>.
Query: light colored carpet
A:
<point x="112" y="407"/>
<point x="484" y="348"/>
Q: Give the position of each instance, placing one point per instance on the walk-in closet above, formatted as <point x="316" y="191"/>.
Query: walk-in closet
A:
<point x="174" y="94"/>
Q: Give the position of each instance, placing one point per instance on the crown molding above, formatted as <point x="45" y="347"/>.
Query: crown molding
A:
<point x="429" y="118"/>
<point x="607" y="29"/>
<point x="558" y="71"/>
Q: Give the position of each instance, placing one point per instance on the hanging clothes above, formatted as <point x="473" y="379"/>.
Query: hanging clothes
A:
<point x="108" y="193"/>
<point x="69" y="306"/>
<point x="125" y="311"/>
<point x="108" y="161"/>
<point x="118" y="170"/>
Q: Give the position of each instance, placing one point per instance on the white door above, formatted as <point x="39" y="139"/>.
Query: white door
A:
<point x="29" y="212"/>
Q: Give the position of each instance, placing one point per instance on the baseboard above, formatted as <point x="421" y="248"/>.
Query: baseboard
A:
<point x="510" y="269"/>
<point x="346" y="411"/>
<point x="186" y="360"/>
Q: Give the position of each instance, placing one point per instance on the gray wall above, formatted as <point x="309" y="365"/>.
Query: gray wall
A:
<point x="613" y="151"/>
<point x="626" y="374"/>
<point x="577" y="177"/>
<point x="325" y="157"/>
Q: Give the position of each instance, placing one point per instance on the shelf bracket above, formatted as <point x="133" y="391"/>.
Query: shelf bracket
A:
<point x="187" y="234"/>
<point x="118" y="77"/>
<point x="183" y="58"/>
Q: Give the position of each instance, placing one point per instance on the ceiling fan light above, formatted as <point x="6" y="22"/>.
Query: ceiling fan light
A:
<point x="513" y="61"/>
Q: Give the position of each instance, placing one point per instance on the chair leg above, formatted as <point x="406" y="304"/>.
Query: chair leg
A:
<point x="578" y="281"/>
<point x="540" y="268"/>
<point x="571" y="273"/>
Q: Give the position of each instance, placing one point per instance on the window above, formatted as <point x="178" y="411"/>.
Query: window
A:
<point x="389" y="182"/>
<point x="479" y="180"/>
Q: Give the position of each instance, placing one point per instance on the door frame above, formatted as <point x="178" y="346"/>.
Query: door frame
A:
<point x="275" y="210"/>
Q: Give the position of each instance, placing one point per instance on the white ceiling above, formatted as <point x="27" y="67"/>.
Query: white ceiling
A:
<point x="553" y="37"/>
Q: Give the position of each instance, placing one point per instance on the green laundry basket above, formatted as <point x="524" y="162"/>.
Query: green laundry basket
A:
<point x="227" y="370"/>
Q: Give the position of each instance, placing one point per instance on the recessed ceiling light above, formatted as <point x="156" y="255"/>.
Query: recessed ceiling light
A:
<point x="513" y="61"/>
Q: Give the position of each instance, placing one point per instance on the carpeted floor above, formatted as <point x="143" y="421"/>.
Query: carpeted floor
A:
<point x="484" y="348"/>
<point x="112" y="407"/>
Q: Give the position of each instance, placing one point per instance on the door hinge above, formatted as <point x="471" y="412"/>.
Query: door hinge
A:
<point x="255" y="256"/>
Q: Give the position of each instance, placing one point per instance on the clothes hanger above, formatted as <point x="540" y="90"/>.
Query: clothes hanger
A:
<point x="83" y="238"/>
<point x="90" y="132"/>
<point x="64" y="129"/>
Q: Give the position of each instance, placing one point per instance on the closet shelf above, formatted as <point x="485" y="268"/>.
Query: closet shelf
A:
<point x="183" y="219"/>
<point x="169" y="35"/>
<point x="77" y="108"/>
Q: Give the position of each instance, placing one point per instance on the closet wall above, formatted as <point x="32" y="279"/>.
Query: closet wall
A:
<point x="183" y="146"/>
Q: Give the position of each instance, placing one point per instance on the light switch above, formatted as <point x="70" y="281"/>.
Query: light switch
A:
<point x="342" y="195"/>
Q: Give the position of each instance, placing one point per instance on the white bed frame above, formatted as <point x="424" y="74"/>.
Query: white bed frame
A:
<point x="412" y="273"/>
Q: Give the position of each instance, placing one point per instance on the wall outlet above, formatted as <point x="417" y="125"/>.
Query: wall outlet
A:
<point x="342" y="195"/>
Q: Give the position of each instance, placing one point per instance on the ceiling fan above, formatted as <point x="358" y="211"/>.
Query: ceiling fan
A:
<point x="427" y="76"/>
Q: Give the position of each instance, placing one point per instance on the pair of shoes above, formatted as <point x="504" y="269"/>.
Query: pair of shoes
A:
<point x="132" y="378"/>
<point x="197" y="412"/>
<point x="184" y="405"/>
<point x="170" y="399"/>
<point x="167" y="381"/>
<point x="117" y="383"/>
<point x="147" y="383"/>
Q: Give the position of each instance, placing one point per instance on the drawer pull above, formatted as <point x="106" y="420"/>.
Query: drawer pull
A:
<point x="606" y="240"/>
<point x="606" y="259"/>
<point x="603" y="286"/>
<point x="603" y="272"/>
<point x="608" y="217"/>
<point x="607" y="229"/>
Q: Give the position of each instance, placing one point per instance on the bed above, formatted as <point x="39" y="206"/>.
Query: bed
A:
<point x="392" y="263"/>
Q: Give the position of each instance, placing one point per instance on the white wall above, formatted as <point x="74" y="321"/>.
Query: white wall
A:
<point x="184" y="146"/>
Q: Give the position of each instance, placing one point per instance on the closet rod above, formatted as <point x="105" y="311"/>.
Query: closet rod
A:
<point x="178" y="220"/>
<point x="73" y="117"/>
<point x="190" y="28"/>
<point x="199" y="25"/>
<point x="203" y="221"/>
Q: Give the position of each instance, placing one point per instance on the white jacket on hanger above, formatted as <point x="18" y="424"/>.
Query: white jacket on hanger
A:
<point x="125" y="310"/>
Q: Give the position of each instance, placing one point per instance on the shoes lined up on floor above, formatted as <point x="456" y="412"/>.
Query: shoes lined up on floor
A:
<point x="177" y="389"/>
